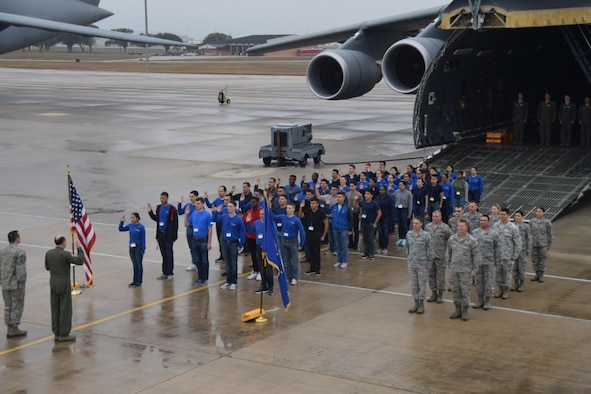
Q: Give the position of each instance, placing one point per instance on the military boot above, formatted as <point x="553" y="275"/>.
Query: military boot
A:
<point x="421" y="308"/>
<point x="536" y="278"/>
<point x="457" y="314"/>
<point x="505" y="294"/>
<point x="465" y="313"/>
<point x="515" y="285"/>
<point x="541" y="276"/>
<point x="480" y="302"/>
<point x="439" y="296"/>
<point x="414" y="308"/>
<point x="9" y="331"/>
<point x="520" y="286"/>
<point x="433" y="297"/>
<point x="487" y="305"/>
<point x="500" y="294"/>
<point x="16" y="332"/>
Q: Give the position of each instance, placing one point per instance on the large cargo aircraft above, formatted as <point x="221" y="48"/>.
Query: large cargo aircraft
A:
<point x="28" y="22"/>
<point x="466" y="61"/>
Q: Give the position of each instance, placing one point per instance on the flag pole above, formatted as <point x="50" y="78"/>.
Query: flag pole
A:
<point x="74" y="286"/>
<point x="262" y="318"/>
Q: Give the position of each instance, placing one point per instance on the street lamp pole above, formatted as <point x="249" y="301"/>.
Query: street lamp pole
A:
<point x="147" y="46"/>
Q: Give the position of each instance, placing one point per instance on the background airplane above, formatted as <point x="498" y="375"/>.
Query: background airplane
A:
<point x="465" y="61"/>
<point x="28" y="22"/>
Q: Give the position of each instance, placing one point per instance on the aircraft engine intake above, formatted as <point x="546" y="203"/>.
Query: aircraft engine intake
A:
<point x="405" y="62"/>
<point x="342" y="74"/>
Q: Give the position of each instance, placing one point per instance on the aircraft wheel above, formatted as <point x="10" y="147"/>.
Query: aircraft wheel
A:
<point x="317" y="159"/>
<point x="304" y="161"/>
<point x="267" y="161"/>
<point x="227" y="101"/>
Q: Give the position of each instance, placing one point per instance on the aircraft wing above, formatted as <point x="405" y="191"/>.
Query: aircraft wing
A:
<point x="45" y="24"/>
<point x="398" y="26"/>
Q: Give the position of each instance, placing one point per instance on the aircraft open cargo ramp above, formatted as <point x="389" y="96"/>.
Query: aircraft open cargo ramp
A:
<point x="523" y="176"/>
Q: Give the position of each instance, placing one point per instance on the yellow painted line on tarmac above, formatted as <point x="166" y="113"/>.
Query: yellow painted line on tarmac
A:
<point x="117" y="315"/>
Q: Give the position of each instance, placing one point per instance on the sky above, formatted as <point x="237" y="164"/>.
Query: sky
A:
<point x="196" y="18"/>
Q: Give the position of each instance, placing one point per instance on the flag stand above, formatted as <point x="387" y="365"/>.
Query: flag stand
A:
<point x="262" y="318"/>
<point x="257" y="314"/>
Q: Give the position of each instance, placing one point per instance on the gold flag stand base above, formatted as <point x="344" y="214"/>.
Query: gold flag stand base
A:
<point x="76" y="289"/>
<point x="254" y="314"/>
<point x="261" y="319"/>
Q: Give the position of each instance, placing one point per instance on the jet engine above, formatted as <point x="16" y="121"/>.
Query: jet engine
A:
<point x="342" y="74"/>
<point x="405" y="62"/>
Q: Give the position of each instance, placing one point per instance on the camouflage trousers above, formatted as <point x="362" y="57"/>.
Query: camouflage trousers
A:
<point x="519" y="267"/>
<point x="437" y="275"/>
<point x="504" y="273"/>
<point x="485" y="280"/>
<point x="460" y="287"/>
<point x="418" y="281"/>
<point x="539" y="256"/>
<point x="14" y="303"/>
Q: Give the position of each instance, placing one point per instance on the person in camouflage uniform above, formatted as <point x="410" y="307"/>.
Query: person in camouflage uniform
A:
<point x="472" y="217"/>
<point x="490" y="254"/>
<point x="13" y="275"/>
<point x="521" y="262"/>
<point x="462" y="258"/>
<point x="510" y="242"/>
<point x="542" y="236"/>
<point x="453" y="221"/>
<point x="440" y="233"/>
<point x="420" y="254"/>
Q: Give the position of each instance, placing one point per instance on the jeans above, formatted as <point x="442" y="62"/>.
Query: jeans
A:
<point x="291" y="260"/>
<point x="230" y="254"/>
<point x="313" y="243"/>
<point x="459" y="202"/>
<point x="340" y="239"/>
<point x="137" y="257"/>
<point x="331" y="243"/>
<point x="369" y="238"/>
<point x="402" y="219"/>
<point x="354" y="237"/>
<point x="167" y="254"/>
<point x="201" y="258"/>
<point x="384" y="233"/>
<point x="189" y="234"/>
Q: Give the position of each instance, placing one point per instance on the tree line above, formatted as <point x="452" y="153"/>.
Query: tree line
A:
<point x="71" y="40"/>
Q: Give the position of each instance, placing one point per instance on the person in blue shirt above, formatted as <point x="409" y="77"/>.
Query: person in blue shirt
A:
<point x="222" y="191"/>
<point x="292" y="189"/>
<point x="166" y="233"/>
<point x="369" y="215"/>
<point x="291" y="227"/>
<point x="342" y="227"/>
<point x="200" y="221"/>
<point x="137" y="246"/>
<point x="448" y="196"/>
<point x="233" y="237"/>
<point x="420" y="199"/>
<point x="385" y="203"/>
<point x="189" y="229"/>
<point x="475" y="186"/>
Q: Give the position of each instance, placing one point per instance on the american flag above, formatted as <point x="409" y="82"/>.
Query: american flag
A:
<point x="83" y="228"/>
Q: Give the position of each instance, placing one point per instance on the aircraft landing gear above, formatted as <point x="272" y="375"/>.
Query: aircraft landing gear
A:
<point x="223" y="96"/>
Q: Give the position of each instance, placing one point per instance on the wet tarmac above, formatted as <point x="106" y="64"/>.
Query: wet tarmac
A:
<point x="127" y="137"/>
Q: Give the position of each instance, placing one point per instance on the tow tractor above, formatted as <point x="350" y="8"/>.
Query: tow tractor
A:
<point x="291" y="142"/>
